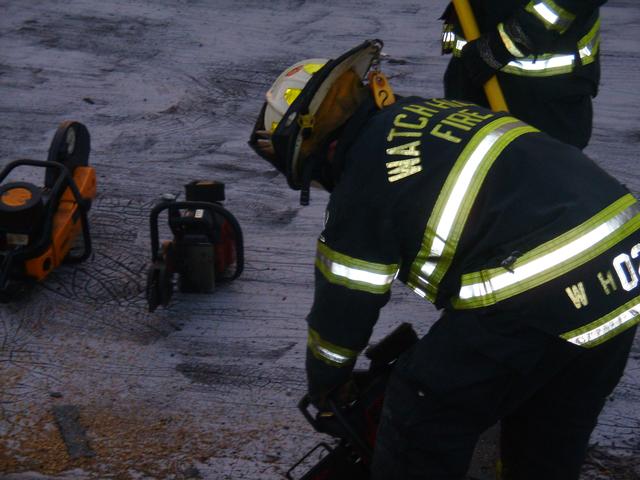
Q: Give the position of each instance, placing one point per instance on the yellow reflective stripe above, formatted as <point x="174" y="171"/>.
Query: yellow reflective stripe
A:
<point x="589" y="45"/>
<point x="354" y="273"/>
<point x="448" y="38"/>
<point x="508" y="43"/>
<point x="552" y="16"/>
<point x="450" y="213"/>
<point x="547" y="64"/>
<point x="553" y="258"/>
<point x="610" y="325"/>
<point x="541" y="66"/>
<point x="328" y="352"/>
<point x="458" y="46"/>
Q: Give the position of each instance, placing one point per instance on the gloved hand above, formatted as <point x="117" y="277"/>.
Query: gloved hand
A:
<point x="342" y="395"/>
<point x="483" y="57"/>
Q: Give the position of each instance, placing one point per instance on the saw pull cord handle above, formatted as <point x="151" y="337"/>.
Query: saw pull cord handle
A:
<point x="472" y="32"/>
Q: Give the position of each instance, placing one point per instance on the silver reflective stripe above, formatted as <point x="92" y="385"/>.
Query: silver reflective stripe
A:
<point x="332" y="356"/>
<point x="541" y="65"/>
<point x="448" y="37"/>
<point x="549" y="260"/>
<point x="606" y="327"/>
<point x="555" y="63"/>
<point x="547" y="64"/>
<point x="354" y="273"/>
<point x="589" y="45"/>
<point x="552" y="16"/>
<point x="327" y="352"/>
<point x="546" y="14"/>
<point x="458" y="46"/>
<point x="586" y="51"/>
<point x="455" y="200"/>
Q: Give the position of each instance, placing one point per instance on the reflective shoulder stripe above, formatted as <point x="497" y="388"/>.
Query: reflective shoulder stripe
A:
<point x="449" y="215"/>
<point x="551" y="15"/>
<point x="328" y="352"/>
<point x="553" y="258"/>
<point x="354" y="273"/>
<point x="606" y="327"/>
<point x="589" y="45"/>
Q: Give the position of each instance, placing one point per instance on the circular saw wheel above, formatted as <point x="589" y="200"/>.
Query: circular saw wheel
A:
<point x="159" y="286"/>
<point x="70" y="146"/>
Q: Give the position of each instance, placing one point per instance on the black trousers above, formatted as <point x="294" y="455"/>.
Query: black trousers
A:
<point x="559" y="106"/>
<point x="547" y="412"/>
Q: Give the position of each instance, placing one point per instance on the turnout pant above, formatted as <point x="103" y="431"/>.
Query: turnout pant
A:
<point x="443" y="395"/>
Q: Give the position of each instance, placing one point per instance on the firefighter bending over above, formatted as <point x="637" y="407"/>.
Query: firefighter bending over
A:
<point x="528" y="248"/>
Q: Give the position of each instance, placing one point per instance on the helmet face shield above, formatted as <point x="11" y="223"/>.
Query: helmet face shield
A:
<point x="260" y="142"/>
<point x="297" y="124"/>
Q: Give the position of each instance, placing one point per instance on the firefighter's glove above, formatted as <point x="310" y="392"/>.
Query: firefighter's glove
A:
<point x="483" y="57"/>
<point x="342" y="396"/>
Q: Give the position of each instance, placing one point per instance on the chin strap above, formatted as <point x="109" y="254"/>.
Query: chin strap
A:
<point x="307" y="176"/>
<point x="305" y="196"/>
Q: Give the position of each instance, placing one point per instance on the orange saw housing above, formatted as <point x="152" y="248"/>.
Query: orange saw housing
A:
<point x="66" y="225"/>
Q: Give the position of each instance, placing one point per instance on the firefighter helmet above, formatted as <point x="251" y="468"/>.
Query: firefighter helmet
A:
<point x="287" y="88"/>
<point x="308" y="102"/>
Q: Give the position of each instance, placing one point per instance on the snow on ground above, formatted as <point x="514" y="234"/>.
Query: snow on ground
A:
<point x="169" y="91"/>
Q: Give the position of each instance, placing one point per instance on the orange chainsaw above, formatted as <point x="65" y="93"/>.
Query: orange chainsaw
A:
<point x="39" y="225"/>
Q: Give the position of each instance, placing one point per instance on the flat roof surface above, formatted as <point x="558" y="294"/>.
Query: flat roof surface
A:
<point x="170" y="90"/>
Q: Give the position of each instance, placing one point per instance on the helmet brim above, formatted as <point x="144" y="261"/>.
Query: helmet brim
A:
<point x="289" y="135"/>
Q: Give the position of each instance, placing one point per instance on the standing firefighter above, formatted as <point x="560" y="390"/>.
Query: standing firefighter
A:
<point x="529" y="249"/>
<point x="545" y="54"/>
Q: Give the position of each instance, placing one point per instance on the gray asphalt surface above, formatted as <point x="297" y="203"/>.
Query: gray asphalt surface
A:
<point x="169" y="91"/>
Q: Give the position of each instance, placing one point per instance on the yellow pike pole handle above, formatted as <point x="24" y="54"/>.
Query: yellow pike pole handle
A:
<point x="471" y="32"/>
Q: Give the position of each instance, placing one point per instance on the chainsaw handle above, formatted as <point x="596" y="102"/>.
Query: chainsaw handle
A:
<point x="354" y="436"/>
<point x="337" y="416"/>
<point x="63" y="180"/>
<point x="319" y="446"/>
<point x="212" y="208"/>
<point x="317" y="421"/>
<point x="170" y="205"/>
